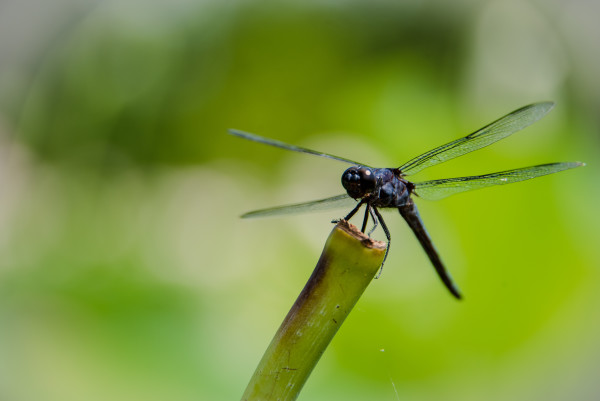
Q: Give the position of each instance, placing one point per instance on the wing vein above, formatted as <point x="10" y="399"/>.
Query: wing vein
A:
<point x="499" y="129"/>
<point x="333" y="202"/>
<point x="438" y="189"/>
<point x="294" y="148"/>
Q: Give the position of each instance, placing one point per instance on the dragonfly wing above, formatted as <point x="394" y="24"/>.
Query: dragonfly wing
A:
<point x="282" y="145"/>
<point x="411" y="215"/>
<point x="334" y="202"/>
<point x="487" y="135"/>
<point x="438" y="189"/>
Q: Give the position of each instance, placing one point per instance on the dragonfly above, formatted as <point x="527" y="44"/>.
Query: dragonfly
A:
<point x="386" y="188"/>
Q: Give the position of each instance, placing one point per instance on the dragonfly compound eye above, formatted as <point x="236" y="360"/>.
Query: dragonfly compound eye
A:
<point x="358" y="182"/>
<point x="367" y="179"/>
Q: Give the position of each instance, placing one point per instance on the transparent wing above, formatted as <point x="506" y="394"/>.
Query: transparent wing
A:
<point x="282" y="145"/>
<point x="438" y="189"/>
<point x="487" y="135"/>
<point x="334" y="202"/>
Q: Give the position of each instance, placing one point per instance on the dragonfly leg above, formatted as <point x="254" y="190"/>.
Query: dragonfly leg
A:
<point x="375" y="221"/>
<point x="366" y="218"/>
<point x="353" y="211"/>
<point x="387" y="235"/>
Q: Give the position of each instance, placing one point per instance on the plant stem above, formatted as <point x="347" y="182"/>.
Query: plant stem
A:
<point x="347" y="265"/>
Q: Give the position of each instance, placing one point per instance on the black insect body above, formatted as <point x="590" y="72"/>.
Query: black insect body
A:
<point x="383" y="186"/>
<point x="387" y="187"/>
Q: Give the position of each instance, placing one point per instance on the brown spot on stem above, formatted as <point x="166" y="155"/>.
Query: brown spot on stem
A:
<point x="360" y="236"/>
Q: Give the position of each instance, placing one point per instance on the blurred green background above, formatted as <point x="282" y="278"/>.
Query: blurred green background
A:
<point x="126" y="273"/>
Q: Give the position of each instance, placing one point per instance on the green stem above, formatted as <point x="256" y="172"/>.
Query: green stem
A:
<point x="347" y="265"/>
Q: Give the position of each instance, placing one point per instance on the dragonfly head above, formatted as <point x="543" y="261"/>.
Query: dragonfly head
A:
<point x="359" y="181"/>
